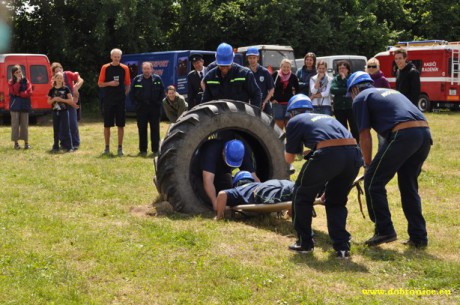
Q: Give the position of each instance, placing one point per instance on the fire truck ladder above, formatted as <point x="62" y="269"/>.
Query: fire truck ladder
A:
<point x="455" y="66"/>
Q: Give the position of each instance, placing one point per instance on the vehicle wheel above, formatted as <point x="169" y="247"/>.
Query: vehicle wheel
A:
<point x="424" y="103"/>
<point x="177" y="168"/>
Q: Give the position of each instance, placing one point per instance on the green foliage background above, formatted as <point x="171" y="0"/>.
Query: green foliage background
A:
<point x="81" y="33"/>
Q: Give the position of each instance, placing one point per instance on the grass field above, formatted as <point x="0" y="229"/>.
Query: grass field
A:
<point x="78" y="228"/>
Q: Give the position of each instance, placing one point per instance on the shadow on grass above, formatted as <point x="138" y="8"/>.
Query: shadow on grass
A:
<point x="331" y="264"/>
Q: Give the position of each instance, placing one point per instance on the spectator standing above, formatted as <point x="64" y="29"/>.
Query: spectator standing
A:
<point x="194" y="78"/>
<point x="74" y="82"/>
<point x="373" y="68"/>
<point x="230" y="80"/>
<point x="20" y="90"/>
<point x="147" y="93"/>
<point x="305" y="72"/>
<point x="408" y="144"/>
<point x="263" y="78"/>
<point x="342" y="103"/>
<point x="114" y="79"/>
<point x="173" y="104"/>
<point x="334" y="162"/>
<point x="320" y="86"/>
<point x="407" y="77"/>
<point x="61" y="100"/>
<point x="286" y="86"/>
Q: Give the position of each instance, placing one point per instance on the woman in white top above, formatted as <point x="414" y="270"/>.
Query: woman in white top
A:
<point x="320" y="87"/>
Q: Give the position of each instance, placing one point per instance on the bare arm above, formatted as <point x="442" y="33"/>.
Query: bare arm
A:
<point x="221" y="205"/>
<point x="289" y="157"/>
<point x="365" y="142"/>
<point x="208" y="184"/>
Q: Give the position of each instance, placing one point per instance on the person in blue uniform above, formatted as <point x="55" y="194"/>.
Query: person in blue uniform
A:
<point x="334" y="162"/>
<point x="230" y="80"/>
<point x="408" y="143"/>
<point x="246" y="191"/>
<point x="218" y="158"/>
<point x="147" y="93"/>
<point x="263" y="78"/>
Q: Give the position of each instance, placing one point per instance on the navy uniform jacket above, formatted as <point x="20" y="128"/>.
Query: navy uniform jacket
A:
<point x="194" y="90"/>
<point x="147" y="92"/>
<point x="382" y="109"/>
<point x="239" y="84"/>
<point x="310" y="128"/>
<point x="268" y="192"/>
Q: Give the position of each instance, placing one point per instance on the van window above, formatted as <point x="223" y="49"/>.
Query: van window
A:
<point x="273" y="58"/>
<point x="11" y="67"/>
<point x="355" y="65"/>
<point x="38" y="74"/>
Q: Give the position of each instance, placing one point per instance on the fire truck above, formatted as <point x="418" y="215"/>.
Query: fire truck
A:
<point x="438" y="64"/>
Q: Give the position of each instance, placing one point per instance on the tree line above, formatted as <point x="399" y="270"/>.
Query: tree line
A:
<point x="81" y="33"/>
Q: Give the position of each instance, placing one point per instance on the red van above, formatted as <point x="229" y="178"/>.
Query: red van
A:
<point x="36" y="68"/>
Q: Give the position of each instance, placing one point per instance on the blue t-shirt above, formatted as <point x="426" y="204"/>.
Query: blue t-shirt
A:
<point x="270" y="191"/>
<point x="310" y="128"/>
<point x="382" y="109"/>
<point x="264" y="79"/>
<point x="212" y="159"/>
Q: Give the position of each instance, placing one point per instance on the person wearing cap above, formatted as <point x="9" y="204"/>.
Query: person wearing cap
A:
<point x="407" y="145"/>
<point x="218" y="158"/>
<point x="334" y="161"/>
<point x="194" y="78"/>
<point x="230" y="80"/>
<point x="246" y="191"/>
<point x="263" y="78"/>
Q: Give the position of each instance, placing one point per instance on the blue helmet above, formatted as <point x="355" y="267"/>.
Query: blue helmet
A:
<point x="358" y="78"/>
<point x="240" y="177"/>
<point x="224" y="55"/>
<point x="299" y="101"/>
<point x="252" y="51"/>
<point x="234" y="153"/>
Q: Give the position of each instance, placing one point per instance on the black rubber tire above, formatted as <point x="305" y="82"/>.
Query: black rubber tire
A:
<point x="424" y="103"/>
<point x="177" y="175"/>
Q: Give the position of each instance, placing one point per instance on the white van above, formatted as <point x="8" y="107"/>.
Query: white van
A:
<point x="357" y="63"/>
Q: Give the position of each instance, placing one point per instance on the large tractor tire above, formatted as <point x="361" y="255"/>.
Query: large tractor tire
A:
<point x="177" y="167"/>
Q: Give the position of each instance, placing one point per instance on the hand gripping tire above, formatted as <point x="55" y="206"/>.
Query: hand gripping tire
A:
<point x="177" y="168"/>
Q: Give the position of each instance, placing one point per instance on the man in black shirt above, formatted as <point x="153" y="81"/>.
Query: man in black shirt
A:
<point x="115" y="81"/>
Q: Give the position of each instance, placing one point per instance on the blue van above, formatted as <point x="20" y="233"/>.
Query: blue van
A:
<point x="171" y="66"/>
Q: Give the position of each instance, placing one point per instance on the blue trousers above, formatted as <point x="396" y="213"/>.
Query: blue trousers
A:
<point x="404" y="154"/>
<point x="333" y="167"/>
<point x="61" y="129"/>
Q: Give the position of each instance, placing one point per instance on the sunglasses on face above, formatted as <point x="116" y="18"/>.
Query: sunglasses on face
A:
<point x="372" y="67"/>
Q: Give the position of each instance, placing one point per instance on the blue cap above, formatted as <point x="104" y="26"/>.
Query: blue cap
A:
<point x="224" y="54"/>
<point x="252" y="51"/>
<point x="358" y="78"/>
<point x="299" y="101"/>
<point x="242" y="175"/>
<point x="234" y="153"/>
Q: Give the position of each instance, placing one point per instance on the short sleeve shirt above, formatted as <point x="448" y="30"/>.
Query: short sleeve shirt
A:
<point x="310" y="128"/>
<point x="264" y="80"/>
<point x="382" y="109"/>
<point x="212" y="159"/>
<point x="62" y="93"/>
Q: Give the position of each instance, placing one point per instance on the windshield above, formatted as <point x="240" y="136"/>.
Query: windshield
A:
<point x="272" y="59"/>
